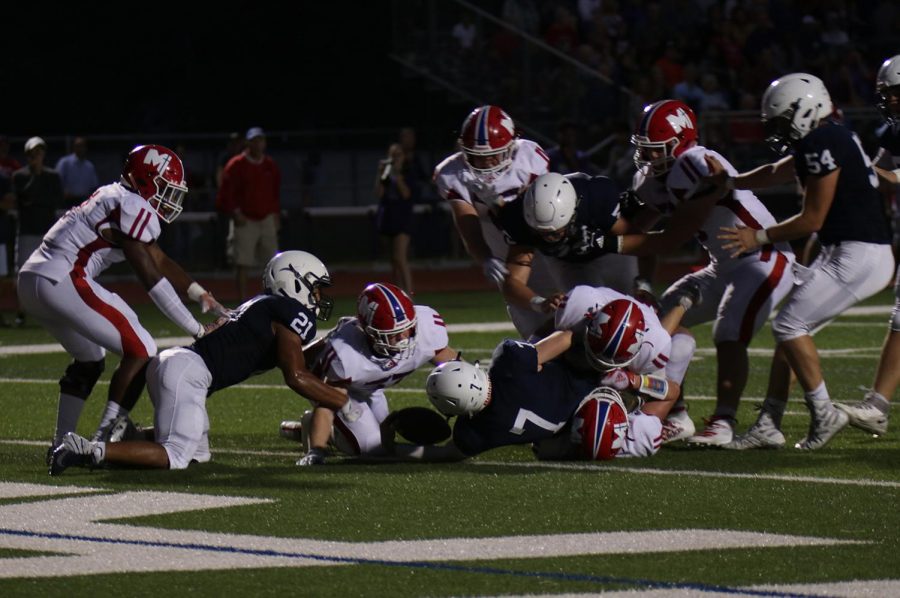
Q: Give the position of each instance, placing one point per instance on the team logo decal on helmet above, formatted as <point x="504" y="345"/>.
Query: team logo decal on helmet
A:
<point x="487" y="140"/>
<point x="614" y="334"/>
<point x="156" y="173"/>
<point x="301" y="276"/>
<point x="386" y="313"/>
<point x="600" y="425"/>
<point x="666" y="129"/>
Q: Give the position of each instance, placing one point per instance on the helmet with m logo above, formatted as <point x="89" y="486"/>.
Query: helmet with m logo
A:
<point x="156" y="173"/>
<point x="665" y="130"/>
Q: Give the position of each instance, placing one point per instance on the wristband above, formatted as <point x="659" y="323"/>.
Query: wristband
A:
<point x="654" y="387"/>
<point x="537" y="303"/>
<point x="762" y="236"/>
<point x="729" y="183"/>
<point x="195" y="292"/>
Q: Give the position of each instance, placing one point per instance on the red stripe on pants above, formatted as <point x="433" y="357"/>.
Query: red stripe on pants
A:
<point x="762" y="295"/>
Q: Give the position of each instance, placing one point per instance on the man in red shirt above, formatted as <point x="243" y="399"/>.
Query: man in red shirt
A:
<point x="251" y="185"/>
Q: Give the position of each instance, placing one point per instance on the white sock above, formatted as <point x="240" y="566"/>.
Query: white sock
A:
<point x="818" y="397"/>
<point x="67" y="413"/>
<point x="112" y="411"/>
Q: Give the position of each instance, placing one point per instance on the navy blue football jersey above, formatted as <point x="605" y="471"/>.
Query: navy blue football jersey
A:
<point x="526" y="404"/>
<point x="596" y="212"/>
<point x="857" y="212"/>
<point x="245" y="345"/>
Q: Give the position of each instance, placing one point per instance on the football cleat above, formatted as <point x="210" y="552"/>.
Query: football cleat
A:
<point x="719" y="430"/>
<point x="313" y="457"/>
<point x="677" y="426"/>
<point x="74" y="450"/>
<point x="823" y="425"/>
<point x="119" y="430"/>
<point x="865" y="416"/>
<point x="292" y="430"/>
<point x="763" y="434"/>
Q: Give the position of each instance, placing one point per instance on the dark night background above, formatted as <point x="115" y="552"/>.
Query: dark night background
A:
<point x="102" y="68"/>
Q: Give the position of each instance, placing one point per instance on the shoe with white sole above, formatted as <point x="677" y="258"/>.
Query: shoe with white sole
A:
<point x="865" y="416"/>
<point x="763" y="434"/>
<point x="824" y="423"/>
<point x="718" y="431"/>
<point x="677" y="426"/>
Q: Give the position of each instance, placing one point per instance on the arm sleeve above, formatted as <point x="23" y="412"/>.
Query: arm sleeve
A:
<point x="166" y="299"/>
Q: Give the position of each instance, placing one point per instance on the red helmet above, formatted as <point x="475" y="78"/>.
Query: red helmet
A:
<point x="665" y="130"/>
<point x="385" y="312"/>
<point x="156" y="173"/>
<point x="599" y="425"/>
<point x="488" y="141"/>
<point x="614" y="334"/>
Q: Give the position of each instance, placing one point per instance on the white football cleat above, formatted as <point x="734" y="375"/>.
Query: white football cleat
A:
<point x="763" y="434"/>
<point x="719" y="430"/>
<point x="823" y="425"/>
<point x="677" y="426"/>
<point x="292" y="430"/>
<point x="313" y="457"/>
<point x="74" y="450"/>
<point x="865" y="416"/>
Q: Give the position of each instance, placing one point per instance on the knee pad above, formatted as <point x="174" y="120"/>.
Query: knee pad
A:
<point x="80" y="378"/>
<point x="683" y="347"/>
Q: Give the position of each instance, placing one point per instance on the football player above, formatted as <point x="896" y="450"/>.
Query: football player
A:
<point x="57" y="285"/>
<point x="528" y="396"/>
<point x="871" y="414"/>
<point x="491" y="169"/>
<point x="265" y="332"/>
<point x="737" y="292"/>
<point x="387" y="340"/>
<point x="567" y="219"/>
<point x="841" y="203"/>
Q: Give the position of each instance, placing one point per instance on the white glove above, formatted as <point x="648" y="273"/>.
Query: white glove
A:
<point x="495" y="270"/>
<point x="618" y="378"/>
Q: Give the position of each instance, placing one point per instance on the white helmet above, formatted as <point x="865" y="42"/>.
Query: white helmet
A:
<point x="299" y="275"/>
<point x="793" y="106"/>
<point x="888" y="77"/>
<point x="549" y="203"/>
<point x="458" y="388"/>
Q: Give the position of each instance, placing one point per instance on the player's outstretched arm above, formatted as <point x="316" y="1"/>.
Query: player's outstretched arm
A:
<point x="161" y="291"/>
<point x="685" y="221"/>
<point x="446" y="354"/>
<point x="290" y="360"/>
<point x="515" y="287"/>
<point x="553" y="346"/>
<point x="183" y="282"/>
<point x="767" y="175"/>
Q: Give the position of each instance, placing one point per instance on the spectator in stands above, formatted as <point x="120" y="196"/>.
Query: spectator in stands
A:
<point x="713" y="97"/>
<point x="234" y="146"/>
<point x="566" y="158"/>
<point x="394" y="219"/>
<point x="250" y="195"/>
<point x="78" y="175"/>
<point x="8" y="165"/>
<point x="38" y="194"/>
<point x="670" y="66"/>
<point x="687" y="90"/>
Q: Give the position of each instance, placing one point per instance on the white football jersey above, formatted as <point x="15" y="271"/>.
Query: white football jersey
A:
<point x="75" y="242"/>
<point x="741" y="208"/>
<point x="455" y="182"/>
<point x="347" y="359"/>
<point x="583" y="300"/>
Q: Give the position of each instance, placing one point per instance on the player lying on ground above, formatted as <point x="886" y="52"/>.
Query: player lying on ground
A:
<point x="265" y="332"/>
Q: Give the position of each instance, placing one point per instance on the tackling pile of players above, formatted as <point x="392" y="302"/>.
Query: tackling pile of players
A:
<point x="601" y="369"/>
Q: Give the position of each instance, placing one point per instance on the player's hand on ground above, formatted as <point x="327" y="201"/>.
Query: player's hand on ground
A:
<point x="738" y="240"/>
<point x="495" y="270"/>
<point x="619" y="379"/>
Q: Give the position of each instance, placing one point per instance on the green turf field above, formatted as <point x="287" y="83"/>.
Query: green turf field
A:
<point x="685" y="522"/>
